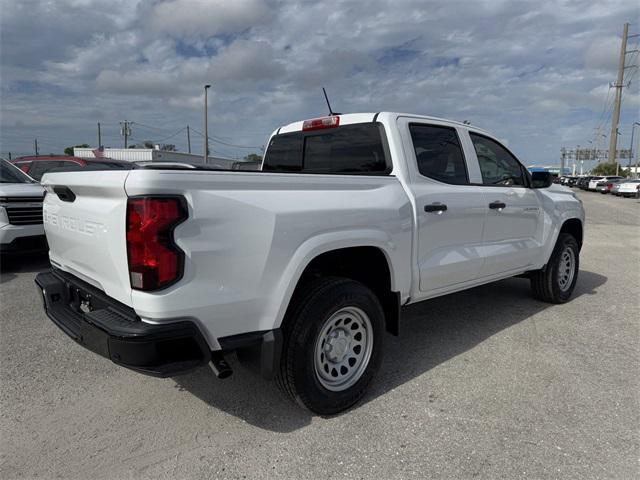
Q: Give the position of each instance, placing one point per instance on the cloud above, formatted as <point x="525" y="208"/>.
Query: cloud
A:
<point x="603" y="54"/>
<point x="237" y="67"/>
<point x="207" y="18"/>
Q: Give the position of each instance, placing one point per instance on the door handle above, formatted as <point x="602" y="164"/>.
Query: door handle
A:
<point x="436" y="208"/>
<point x="497" y="205"/>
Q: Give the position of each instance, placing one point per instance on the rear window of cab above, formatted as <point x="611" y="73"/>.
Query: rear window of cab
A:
<point x="358" y="149"/>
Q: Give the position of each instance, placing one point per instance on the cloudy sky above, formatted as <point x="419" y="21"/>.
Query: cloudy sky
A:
<point x="536" y="73"/>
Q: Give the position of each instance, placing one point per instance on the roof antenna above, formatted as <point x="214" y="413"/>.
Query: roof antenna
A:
<point x="331" y="112"/>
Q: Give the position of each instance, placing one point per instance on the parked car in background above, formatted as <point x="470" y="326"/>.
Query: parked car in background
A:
<point x="605" y="186"/>
<point x="630" y="188"/>
<point x="593" y="183"/>
<point x="21" y="228"/>
<point x="615" y="190"/>
<point x="36" y="167"/>
<point x="583" y="182"/>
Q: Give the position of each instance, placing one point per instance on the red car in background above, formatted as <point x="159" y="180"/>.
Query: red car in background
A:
<point x="37" y="166"/>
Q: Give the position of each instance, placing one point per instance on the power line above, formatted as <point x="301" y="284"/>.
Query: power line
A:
<point x="170" y="136"/>
<point x="225" y="143"/>
<point x="147" y="126"/>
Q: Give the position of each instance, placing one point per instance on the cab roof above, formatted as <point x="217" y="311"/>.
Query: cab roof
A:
<point x="351" y="118"/>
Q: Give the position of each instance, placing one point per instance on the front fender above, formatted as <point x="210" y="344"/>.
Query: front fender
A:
<point x="558" y="207"/>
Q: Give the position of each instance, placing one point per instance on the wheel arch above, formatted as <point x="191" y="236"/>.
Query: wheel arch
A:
<point x="369" y="264"/>
<point x="574" y="227"/>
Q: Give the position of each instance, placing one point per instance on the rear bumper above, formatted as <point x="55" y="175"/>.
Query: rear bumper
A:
<point x="113" y="330"/>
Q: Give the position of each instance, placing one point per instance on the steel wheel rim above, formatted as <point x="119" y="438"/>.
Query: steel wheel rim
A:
<point x="343" y="349"/>
<point x="566" y="269"/>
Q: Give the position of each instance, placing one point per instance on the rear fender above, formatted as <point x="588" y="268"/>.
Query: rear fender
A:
<point x="328" y="242"/>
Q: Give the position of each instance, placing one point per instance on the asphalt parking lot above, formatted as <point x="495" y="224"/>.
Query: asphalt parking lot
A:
<point x="487" y="383"/>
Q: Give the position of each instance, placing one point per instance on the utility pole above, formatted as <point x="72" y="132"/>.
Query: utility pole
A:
<point x="35" y="143"/>
<point x="206" y="127"/>
<point x="99" y="136"/>
<point x="188" y="139"/>
<point x="613" y="139"/>
<point x="633" y="129"/>
<point x="125" y="131"/>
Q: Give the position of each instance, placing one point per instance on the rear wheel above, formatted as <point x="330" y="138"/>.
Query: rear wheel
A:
<point x="332" y="346"/>
<point x="556" y="282"/>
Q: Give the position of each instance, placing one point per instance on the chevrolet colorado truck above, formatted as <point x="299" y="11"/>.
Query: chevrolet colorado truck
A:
<point x="300" y="268"/>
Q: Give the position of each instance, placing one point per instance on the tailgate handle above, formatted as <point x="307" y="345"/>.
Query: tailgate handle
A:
<point x="64" y="193"/>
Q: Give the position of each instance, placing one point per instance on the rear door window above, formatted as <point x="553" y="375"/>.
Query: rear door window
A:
<point x="358" y="149"/>
<point x="438" y="153"/>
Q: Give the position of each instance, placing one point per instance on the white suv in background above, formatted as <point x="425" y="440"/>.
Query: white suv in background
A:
<point x="21" y="228"/>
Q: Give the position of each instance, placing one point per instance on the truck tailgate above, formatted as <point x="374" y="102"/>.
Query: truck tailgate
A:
<point x="85" y="222"/>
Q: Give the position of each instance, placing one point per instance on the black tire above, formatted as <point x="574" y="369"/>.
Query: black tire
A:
<point x="311" y="307"/>
<point x="545" y="284"/>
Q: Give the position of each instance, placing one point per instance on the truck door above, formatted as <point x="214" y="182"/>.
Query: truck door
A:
<point x="450" y="211"/>
<point x="514" y="214"/>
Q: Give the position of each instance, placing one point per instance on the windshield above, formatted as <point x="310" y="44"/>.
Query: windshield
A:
<point x="12" y="174"/>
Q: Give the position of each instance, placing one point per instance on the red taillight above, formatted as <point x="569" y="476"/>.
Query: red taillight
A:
<point x="155" y="261"/>
<point x="320" y="123"/>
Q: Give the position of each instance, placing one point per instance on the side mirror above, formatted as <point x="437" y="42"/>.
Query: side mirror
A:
<point x="541" y="179"/>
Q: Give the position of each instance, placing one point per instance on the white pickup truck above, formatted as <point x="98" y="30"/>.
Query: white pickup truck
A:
<point x="302" y="266"/>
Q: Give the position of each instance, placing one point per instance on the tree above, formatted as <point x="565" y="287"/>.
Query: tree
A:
<point x="253" y="157"/>
<point x="605" y="169"/>
<point x="69" y="150"/>
<point x="145" y="144"/>
<point x="168" y="147"/>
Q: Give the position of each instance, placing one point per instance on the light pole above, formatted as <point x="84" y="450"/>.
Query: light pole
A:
<point x="206" y="127"/>
<point x="633" y="129"/>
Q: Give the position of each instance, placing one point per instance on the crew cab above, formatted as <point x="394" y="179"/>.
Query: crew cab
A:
<point x="302" y="266"/>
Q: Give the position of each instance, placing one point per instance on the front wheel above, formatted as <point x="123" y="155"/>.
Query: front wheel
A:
<point x="332" y="346"/>
<point x="556" y="282"/>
